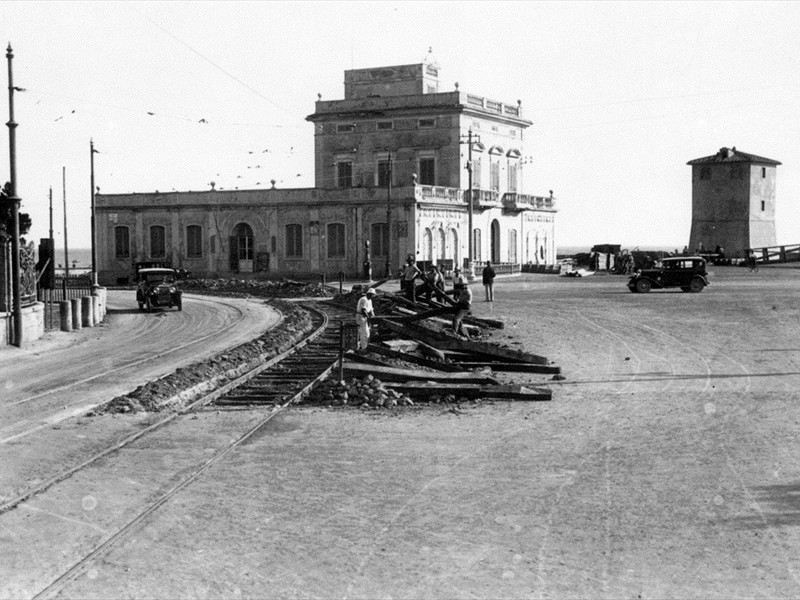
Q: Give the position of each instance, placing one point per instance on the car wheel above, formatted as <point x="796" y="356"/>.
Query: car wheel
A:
<point x="148" y="304"/>
<point x="643" y="286"/>
<point x="696" y="285"/>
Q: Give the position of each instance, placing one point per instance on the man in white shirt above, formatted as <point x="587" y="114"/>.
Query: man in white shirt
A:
<point x="459" y="281"/>
<point x="364" y="312"/>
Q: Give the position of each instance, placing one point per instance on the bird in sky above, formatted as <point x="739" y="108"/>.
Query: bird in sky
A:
<point x="203" y="121"/>
<point x="151" y="113"/>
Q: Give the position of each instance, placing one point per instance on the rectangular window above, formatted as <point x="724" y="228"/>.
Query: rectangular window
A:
<point x="763" y="172"/>
<point x="476" y="246"/>
<point x="385" y="125"/>
<point x="476" y="172"/>
<point x="194" y="241"/>
<point x="427" y="123"/>
<point x="122" y="242"/>
<point x="384" y="173"/>
<point x="294" y="241"/>
<point x="158" y="242"/>
<point x="348" y="128"/>
<point x="763" y="206"/>
<point x="512" y="178"/>
<point x="427" y="171"/>
<point x="705" y="172"/>
<point x="344" y="174"/>
<point x="379" y="239"/>
<point x="336" y="241"/>
<point x="494" y="174"/>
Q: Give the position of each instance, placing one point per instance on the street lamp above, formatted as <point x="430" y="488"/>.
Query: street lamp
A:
<point x="15" y="202"/>
<point x="389" y="218"/>
<point x="92" y="152"/>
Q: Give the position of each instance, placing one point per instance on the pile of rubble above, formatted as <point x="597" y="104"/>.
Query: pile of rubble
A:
<point x="368" y="392"/>
<point x="284" y="288"/>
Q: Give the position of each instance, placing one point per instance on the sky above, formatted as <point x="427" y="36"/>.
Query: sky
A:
<point x="176" y="95"/>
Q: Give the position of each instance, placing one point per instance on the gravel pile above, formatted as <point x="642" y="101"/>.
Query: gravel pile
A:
<point x="156" y="396"/>
<point x="368" y="392"/>
<point x="251" y="287"/>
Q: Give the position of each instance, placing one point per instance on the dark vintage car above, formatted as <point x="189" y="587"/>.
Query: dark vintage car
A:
<point x="685" y="272"/>
<point x="157" y="288"/>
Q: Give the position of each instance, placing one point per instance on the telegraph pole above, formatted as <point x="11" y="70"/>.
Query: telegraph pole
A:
<point x="15" y="202"/>
<point x="66" y="247"/>
<point x="389" y="219"/>
<point x="51" y="215"/>
<point x="470" y="206"/>
<point x="92" y="152"/>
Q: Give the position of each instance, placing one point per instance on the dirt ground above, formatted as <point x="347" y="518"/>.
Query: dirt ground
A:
<point x="666" y="466"/>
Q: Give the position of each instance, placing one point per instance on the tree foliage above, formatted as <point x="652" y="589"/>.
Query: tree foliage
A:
<point x="6" y="218"/>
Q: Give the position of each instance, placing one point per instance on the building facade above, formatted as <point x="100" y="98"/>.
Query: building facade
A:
<point x="394" y="161"/>
<point x="733" y="202"/>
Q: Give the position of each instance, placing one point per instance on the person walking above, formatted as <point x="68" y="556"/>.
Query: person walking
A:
<point x="488" y="276"/>
<point x="433" y="282"/>
<point x="364" y="312"/>
<point x="462" y="308"/>
<point x="410" y="273"/>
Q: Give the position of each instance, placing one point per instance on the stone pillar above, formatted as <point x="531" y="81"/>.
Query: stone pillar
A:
<point x="97" y="317"/>
<point x="77" y="323"/>
<point x="87" y="312"/>
<point x="65" y="310"/>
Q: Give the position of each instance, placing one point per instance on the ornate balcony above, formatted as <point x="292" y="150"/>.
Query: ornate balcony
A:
<point x="517" y="202"/>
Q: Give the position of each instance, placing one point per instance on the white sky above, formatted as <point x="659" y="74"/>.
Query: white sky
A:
<point x="621" y="96"/>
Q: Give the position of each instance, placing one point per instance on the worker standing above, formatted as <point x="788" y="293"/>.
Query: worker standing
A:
<point x="488" y="276"/>
<point x="364" y="312"/>
<point x="462" y="308"/>
<point x="459" y="282"/>
<point x="410" y="273"/>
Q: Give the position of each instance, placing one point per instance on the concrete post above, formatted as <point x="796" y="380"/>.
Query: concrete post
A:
<point x="96" y="316"/>
<point x="65" y="309"/>
<point x="77" y="322"/>
<point x="87" y="314"/>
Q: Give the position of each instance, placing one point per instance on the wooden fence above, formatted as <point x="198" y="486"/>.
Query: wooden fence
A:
<point x="777" y="254"/>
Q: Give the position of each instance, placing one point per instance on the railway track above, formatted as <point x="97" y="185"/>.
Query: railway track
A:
<point x="276" y="384"/>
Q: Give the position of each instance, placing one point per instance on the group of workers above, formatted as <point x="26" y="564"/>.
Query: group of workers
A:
<point x="434" y="283"/>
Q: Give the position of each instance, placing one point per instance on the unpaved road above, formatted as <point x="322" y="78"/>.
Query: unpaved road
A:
<point x="666" y="466"/>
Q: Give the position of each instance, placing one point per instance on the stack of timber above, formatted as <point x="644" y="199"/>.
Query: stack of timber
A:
<point x="414" y="351"/>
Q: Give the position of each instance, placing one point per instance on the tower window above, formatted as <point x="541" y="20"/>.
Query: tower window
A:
<point x="344" y="174"/>
<point x="345" y="128"/>
<point x="763" y="206"/>
<point x="427" y="123"/>
<point x="763" y="172"/>
<point x="384" y="125"/>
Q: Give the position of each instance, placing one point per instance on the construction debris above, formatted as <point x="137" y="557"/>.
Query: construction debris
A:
<point x="415" y="354"/>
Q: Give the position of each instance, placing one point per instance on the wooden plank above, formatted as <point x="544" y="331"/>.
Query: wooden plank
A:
<point x="444" y="341"/>
<point x="500" y="392"/>
<point x="397" y="374"/>
<point x="416" y="359"/>
<point x="512" y="367"/>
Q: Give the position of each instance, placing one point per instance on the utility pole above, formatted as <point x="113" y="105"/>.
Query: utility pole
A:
<point x="15" y="202"/>
<point x="470" y="206"/>
<point x="389" y="219"/>
<point x="66" y="247"/>
<point x="51" y="215"/>
<point x="92" y="152"/>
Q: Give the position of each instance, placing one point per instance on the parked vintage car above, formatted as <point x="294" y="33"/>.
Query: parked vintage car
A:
<point x="157" y="288"/>
<point x="685" y="272"/>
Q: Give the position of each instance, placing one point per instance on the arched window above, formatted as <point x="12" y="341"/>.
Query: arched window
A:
<point x="427" y="244"/>
<point x="122" y="242"/>
<point x="158" y="242"/>
<point x="336" y="240"/>
<point x="194" y="241"/>
<point x="452" y="240"/>
<point x="442" y="244"/>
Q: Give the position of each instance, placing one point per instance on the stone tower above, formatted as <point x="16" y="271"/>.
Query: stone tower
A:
<point x="733" y="202"/>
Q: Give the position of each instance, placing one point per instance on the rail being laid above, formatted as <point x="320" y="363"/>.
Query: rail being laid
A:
<point x="278" y="383"/>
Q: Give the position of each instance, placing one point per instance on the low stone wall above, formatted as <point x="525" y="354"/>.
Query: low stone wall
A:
<point x="32" y="324"/>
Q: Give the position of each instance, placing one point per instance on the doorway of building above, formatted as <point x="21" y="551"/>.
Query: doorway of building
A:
<point x="494" y="241"/>
<point x="241" y="249"/>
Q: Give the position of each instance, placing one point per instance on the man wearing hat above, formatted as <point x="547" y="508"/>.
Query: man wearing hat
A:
<point x="462" y="308"/>
<point x="364" y="312"/>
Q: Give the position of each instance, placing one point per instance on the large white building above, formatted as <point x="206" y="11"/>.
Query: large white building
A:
<point x="391" y="169"/>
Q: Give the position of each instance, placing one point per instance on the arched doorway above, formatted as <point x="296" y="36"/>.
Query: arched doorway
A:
<point x="494" y="241"/>
<point x="452" y="241"/>
<point x="241" y="249"/>
<point x="427" y="245"/>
